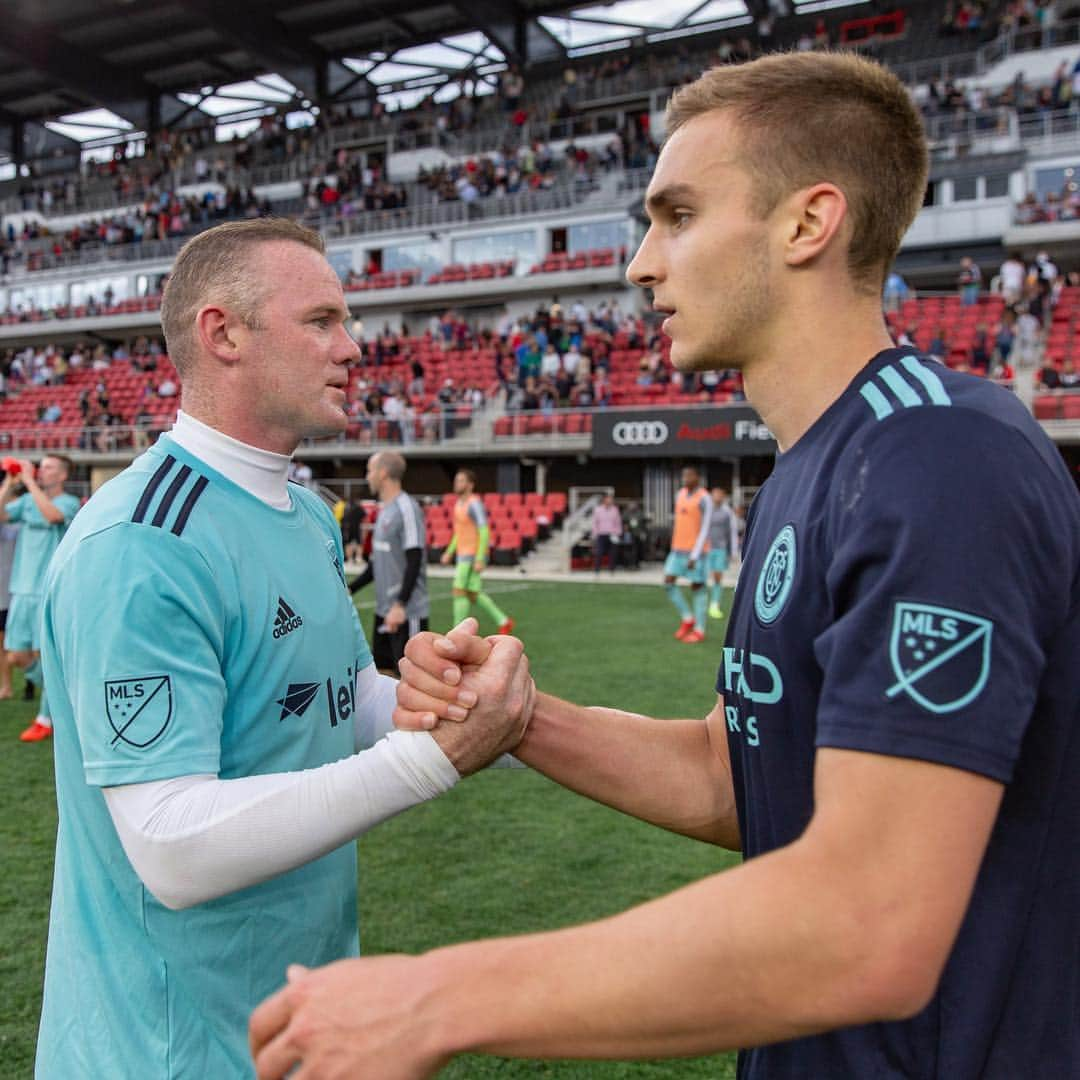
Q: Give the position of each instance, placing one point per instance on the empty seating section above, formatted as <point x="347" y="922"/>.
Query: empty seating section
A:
<point x="391" y="279"/>
<point x="129" y="393"/>
<point x="517" y="523"/>
<point x="455" y="273"/>
<point x="583" y="260"/>
<point x="556" y="423"/>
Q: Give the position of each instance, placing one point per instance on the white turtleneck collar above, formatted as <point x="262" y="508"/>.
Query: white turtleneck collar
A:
<point x="263" y="473"/>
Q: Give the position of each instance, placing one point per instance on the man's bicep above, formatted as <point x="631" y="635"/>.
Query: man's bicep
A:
<point x="904" y="838"/>
<point x="921" y="659"/>
<point x="145" y="685"/>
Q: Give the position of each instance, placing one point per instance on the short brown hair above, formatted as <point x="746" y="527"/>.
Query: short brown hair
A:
<point x="214" y="266"/>
<point x="64" y="460"/>
<point x="392" y="463"/>
<point x="809" y="117"/>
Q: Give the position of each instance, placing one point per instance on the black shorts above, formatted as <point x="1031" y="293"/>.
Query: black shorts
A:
<point x="388" y="649"/>
<point x="3" y="620"/>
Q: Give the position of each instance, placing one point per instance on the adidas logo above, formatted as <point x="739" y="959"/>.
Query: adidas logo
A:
<point x="286" y="620"/>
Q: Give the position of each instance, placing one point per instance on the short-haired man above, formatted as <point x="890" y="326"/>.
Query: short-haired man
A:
<point x="896" y="742"/>
<point x="470" y="544"/>
<point x="606" y="532"/>
<point x="212" y="687"/>
<point x="686" y="559"/>
<point x="43" y="514"/>
<point x="8" y="536"/>
<point x="723" y="546"/>
<point x="397" y="563"/>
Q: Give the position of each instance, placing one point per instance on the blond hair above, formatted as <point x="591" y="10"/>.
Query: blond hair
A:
<point x="215" y="267"/>
<point x="807" y="118"/>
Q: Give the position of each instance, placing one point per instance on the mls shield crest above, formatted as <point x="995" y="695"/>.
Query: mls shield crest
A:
<point x="139" y="709"/>
<point x="940" y="657"/>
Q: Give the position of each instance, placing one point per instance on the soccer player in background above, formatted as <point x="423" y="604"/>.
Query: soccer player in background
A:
<point x="689" y="535"/>
<point x="895" y="743"/>
<point x="43" y="514"/>
<point x="8" y="535"/>
<point x="216" y="701"/>
<point x="723" y="546"/>
<point x="470" y="542"/>
<point x="397" y="563"/>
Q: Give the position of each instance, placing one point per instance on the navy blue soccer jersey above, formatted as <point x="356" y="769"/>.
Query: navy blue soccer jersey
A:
<point x="911" y="587"/>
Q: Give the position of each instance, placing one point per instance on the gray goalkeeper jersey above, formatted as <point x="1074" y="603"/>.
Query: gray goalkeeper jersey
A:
<point x="723" y="530"/>
<point x="400" y="526"/>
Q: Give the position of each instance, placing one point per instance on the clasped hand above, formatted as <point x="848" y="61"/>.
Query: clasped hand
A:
<point x="460" y="676"/>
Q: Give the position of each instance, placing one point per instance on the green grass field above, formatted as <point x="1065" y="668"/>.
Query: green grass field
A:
<point x="504" y="853"/>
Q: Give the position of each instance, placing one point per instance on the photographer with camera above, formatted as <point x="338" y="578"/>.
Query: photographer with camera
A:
<point x="44" y="511"/>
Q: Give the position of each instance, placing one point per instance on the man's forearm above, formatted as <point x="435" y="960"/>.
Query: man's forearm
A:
<point x="7" y="486"/>
<point x="47" y="507"/>
<point x="673" y="773"/>
<point x="771" y="950"/>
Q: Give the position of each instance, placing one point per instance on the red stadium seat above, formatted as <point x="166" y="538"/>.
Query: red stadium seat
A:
<point x="1071" y="407"/>
<point x="1048" y="407"/>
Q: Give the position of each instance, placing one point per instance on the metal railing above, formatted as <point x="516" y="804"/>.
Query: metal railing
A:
<point x="1029" y="39"/>
<point x="1058" y="397"/>
<point x="448" y="424"/>
<point x="333" y="224"/>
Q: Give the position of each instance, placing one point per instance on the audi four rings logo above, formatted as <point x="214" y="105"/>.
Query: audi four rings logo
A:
<point x="640" y="432"/>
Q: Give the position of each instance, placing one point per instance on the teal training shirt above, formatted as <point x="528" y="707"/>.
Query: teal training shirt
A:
<point x="37" y="541"/>
<point x="188" y="628"/>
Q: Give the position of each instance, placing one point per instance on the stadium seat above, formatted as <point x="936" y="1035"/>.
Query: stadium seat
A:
<point x="1048" y="407"/>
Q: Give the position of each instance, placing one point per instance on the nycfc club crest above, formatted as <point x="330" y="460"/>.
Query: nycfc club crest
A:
<point x="776" y="577"/>
<point x="940" y="657"/>
<point x="139" y="710"/>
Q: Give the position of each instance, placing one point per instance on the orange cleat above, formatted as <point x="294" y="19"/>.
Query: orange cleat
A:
<point x="685" y="627"/>
<point x="36" y="732"/>
<point x="695" y="637"/>
<point x="507" y="626"/>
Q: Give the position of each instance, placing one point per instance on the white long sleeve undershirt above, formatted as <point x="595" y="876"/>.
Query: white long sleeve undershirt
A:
<point x="195" y="838"/>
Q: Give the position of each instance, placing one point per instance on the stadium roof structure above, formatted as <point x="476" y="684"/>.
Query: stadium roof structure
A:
<point x="149" y="63"/>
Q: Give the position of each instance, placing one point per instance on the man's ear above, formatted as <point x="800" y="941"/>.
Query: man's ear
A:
<point x="816" y="215"/>
<point x="218" y="330"/>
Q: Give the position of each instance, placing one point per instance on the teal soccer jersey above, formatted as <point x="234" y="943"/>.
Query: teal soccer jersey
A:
<point x="188" y="628"/>
<point x="37" y="541"/>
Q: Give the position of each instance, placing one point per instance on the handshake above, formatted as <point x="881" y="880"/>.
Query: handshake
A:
<point x="474" y="694"/>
